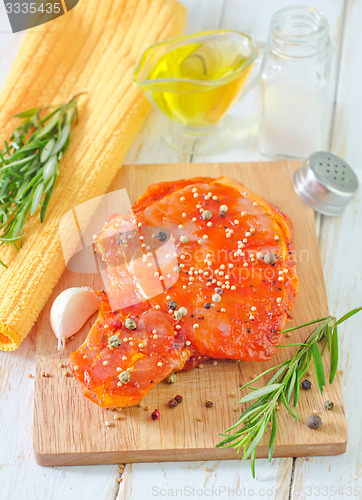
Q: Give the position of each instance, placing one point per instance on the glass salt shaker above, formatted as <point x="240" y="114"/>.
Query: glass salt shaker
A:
<point x="295" y="102"/>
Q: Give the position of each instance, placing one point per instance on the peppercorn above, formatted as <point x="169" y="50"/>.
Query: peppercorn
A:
<point x="209" y="404"/>
<point x="171" y="379"/>
<point x="172" y="403"/>
<point x="206" y="215"/>
<point x="114" y="341"/>
<point x="207" y="305"/>
<point x="130" y="324"/>
<point x="183" y="311"/>
<point x="177" y="316"/>
<point x="117" y="324"/>
<point x="178" y="399"/>
<point x="329" y="405"/>
<point x="124" y="377"/>
<point x="155" y="415"/>
<point x="260" y="255"/>
<point x="269" y="258"/>
<point x="306" y="385"/>
<point x="161" y="236"/>
<point x="172" y="304"/>
<point x="314" y="421"/>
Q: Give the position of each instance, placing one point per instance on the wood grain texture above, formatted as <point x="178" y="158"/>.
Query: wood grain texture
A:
<point x="68" y="429"/>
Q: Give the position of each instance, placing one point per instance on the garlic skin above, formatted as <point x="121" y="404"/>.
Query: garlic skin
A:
<point x="70" y="310"/>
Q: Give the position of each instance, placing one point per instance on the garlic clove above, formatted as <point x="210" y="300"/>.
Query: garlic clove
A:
<point x="70" y="310"/>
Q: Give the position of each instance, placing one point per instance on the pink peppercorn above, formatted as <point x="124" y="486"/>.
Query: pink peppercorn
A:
<point x="117" y="324"/>
<point x="155" y="415"/>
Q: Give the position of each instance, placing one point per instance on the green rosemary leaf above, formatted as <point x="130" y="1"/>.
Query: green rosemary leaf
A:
<point x="49" y="167"/>
<point x="42" y="132"/>
<point x="277" y="375"/>
<point x="258" y="436"/>
<point x="261" y="375"/>
<point x="16" y="163"/>
<point x="297" y="388"/>
<point x="252" y="458"/>
<point x="243" y="443"/>
<point x="29" y="166"/>
<point x="28" y="114"/>
<point x="291" y="386"/>
<point x="348" y="315"/>
<point x="247" y="416"/>
<point x="288" y="374"/>
<point x="47" y="150"/>
<point x="307" y="361"/>
<point x="243" y="440"/>
<point x="286" y="404"/>
<point x="260" y="392"/>
<point x="4" y="187"/>
<point x="37" y="197"/>
<point x="46" y="201"/>
<point x="64" y="134"/>
<point x="303" y="325"/>
<point x="328" y="337"/>
<point x="11" y="239"/>
<point x="318" y="364"/>
<point x="273" y="435"/>
<point x="334" y="355"/>
<point x="289" y="345"/>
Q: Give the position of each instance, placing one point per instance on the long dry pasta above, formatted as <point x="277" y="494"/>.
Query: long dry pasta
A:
<point x="92" y="49"/>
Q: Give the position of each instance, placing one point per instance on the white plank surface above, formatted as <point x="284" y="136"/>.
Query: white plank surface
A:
<point x="341" y="477"/>
<point x="21" y="477"/>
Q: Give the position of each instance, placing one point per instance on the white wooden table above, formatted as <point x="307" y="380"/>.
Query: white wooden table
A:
<point x="340" y="242"/>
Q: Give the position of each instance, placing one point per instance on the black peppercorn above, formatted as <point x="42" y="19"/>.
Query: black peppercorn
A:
<point x="172" y="304"/>
<point x="161" y="236"/>
<point x="207" y="305"/>
<point x="306" y="385"/>
<point x="209" y="404"/>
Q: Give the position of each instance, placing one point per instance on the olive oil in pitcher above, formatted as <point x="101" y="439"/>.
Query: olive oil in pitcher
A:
<point x="195" y="79"/>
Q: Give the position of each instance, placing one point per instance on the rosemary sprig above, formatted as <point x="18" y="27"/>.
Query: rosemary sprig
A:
<point x="284" y="385"/>
<point x="29" y="166"/>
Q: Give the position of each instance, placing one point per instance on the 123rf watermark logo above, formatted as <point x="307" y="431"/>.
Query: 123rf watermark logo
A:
<point x="25" y="14"/>
<point x="214" y="492"/>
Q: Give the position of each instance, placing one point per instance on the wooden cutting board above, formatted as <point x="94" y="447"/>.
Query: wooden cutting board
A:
<point x="69" y="429"/>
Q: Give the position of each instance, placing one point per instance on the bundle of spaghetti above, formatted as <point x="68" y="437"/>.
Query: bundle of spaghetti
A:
<point x="93" y="49"/>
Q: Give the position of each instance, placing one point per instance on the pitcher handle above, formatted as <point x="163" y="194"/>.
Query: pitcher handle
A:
<point x="260" y="48"/>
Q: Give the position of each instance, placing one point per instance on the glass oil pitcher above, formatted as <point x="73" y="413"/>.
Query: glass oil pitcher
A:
<point x="193" y="80"/>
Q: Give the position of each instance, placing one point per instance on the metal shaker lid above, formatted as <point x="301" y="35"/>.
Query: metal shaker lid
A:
<point x="326" y="183"/>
